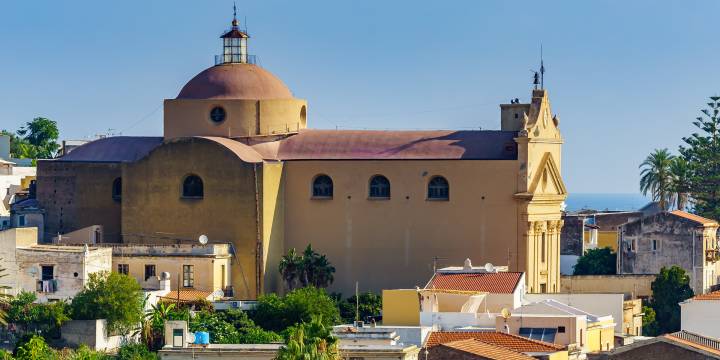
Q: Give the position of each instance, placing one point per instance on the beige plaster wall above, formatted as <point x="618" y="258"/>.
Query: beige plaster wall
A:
<point x="207" y="270"/>
<point x="155" y="212"/>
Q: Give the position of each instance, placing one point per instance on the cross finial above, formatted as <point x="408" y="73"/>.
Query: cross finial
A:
<point x="542" y="69"/>
<point x="234" y="22"/>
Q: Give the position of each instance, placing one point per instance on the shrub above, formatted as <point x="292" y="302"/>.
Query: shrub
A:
<point x="111" y="296"/>
<point x="35" y="348"/>
<point x="277" y="313"/>
<point x="135" y="351"/>
<point x="45" y="319"/>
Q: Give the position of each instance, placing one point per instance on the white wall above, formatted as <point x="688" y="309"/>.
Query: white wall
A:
<point x="453" y="320"/>
<point x="701" y="317"/>
<point x="596" y="304"/>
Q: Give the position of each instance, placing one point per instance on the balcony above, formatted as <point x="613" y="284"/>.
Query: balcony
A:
<point x="46" y="286"/>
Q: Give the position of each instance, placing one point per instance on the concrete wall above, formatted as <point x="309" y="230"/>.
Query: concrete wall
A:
<point x="92" y="333"/>
<point x="701" y="317"/>
<point x="153" y="210"/>
<point x="78" y="195"/>
<point x="680" y="242"/>
<point x="596" y="304"/>
<point x="9" y="241"/>
<point x="71" y="268"/>
<point x="631" y="285"/>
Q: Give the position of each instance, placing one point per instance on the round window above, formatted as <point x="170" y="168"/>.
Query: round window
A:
<point x="217" y="114"/>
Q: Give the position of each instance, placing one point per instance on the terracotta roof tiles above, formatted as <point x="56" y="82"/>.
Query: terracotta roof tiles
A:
<point x="715" y="295"/>
<point x="693" y="217"/>
<point x="499" y="283"/>
<point x="486" y="351"/>
<point x="513" y="342"/>
<point x="186" y="295"/>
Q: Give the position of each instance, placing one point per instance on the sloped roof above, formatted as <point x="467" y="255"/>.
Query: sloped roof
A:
<point x="186" y="295"/>
<point x="242" y="151"/>
<point x="558" y="308"/>
<point x="486" y="351"/>
<point x="696" y="341"/>
<point x="715" y="295"/>
<point x="512" y="342"/>
<point x="397" y="145"/>
<point x="113" y="149"/>
<point x="695" y="218"/>
<point x="498" y="283"/>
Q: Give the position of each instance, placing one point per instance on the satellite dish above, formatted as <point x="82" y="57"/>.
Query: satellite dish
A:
<point x="505" y="313"/>
<point x="203" y="239"/>
<point x="489" y="267"/>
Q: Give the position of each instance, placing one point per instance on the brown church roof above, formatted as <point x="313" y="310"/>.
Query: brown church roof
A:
<point x="397" y="145"/>
<point x="113" y="149"/>
<point x="499" y="283"/>
<point x="235" y="81"/>
<point x="512" y="342"/>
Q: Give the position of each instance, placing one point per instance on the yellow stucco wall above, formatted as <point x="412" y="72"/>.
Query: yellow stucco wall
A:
<point x="605" y="239"/>
<point x="207" y="271"/>
<point x="600" y="338"/>
<point x="273" y="223"/>
<point x="560" y="355"/>
<point x="637" y="285"/>
<point x="154" y="212"/>
<point x="401" y="307"/>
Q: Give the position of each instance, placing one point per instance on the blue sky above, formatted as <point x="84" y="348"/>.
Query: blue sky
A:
<point x="625" y="76"/>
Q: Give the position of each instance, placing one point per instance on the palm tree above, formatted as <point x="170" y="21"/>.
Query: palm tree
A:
<point x="656" y="177"/>
<point x="310" y="341"/>
<point x="291" y="268"/>
<point x="680" y="181"/>
<point x="4" y="298"/>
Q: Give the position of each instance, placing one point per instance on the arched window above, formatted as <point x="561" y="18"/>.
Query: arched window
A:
<point x="322" y="187"/>
<point x="117" y="189"/>
<point x="379" y="187"/>
<point x="192" y="187"/>
<point x="438" y="188"/>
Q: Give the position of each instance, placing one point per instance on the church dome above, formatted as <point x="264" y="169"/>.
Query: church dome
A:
<point x="235" y="81"/>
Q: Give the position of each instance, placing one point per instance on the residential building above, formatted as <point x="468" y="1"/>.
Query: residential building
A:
<point x="199" y="269"/>
<point x="51" y="272"/>
<point x="699" y="315"/>
<point x="671" y="238"/>
<point x="680" y="345"/>
<point x="28" y="214"/>
<point x="632" y="285"/>
<point x="14" y="180"/>
<point x="489" y="345"/>
<point x="590" y="229"/>
<point x="238" y="163"/>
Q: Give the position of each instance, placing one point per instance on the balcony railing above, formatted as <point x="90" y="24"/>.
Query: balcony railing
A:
<point x="235" y="59"/>
<point x="47" y="286"/>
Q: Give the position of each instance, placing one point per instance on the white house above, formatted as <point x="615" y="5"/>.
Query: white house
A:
<point x="700" y="315"/>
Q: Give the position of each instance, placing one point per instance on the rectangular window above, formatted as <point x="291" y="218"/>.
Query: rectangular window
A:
<point x="149" y="271"/>
<point x="47" y="272"/>
<point x="654" y="246"/>
<point x="561" y="330"/>
<point x="188" y="276"/>
<point x="632" y="245"/>
<point x="21" y="220"/>
<point x="123" y="268"/>
<point x="542" y="249"/>
<point x="222" y="277"/>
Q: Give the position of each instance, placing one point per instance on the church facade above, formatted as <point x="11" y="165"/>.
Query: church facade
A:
<point x="238" y="163"/>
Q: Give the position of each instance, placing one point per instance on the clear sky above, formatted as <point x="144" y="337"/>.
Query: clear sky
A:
<point x="625" y="77"/>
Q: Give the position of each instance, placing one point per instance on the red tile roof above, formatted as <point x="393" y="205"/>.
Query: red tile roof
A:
<point x="186" y="295"/>
<point x="499" y="283"/>
<point x="397" y="145"/>
<point x="696" y="341"/>
<point x="513" y="342"/>
<point x="695" y="218"/>
<point x="715" y="295"/>
<point x="486" y="351"/>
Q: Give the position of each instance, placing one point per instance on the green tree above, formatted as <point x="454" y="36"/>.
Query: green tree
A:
<point x="680" y="182"/>
<point x="596" y="262"/>
<point x="370" y="305"/>
<point x="29" y="316"/>
<point x="649" y="324"/>
<point x="670" y="287"/>
<point x="112" y="296"/>
<point x="277" y="313"/>
<point x="248" y="332"/>
<point x="656" y="178"/>
<point x="310" y="341"/>
<point x="135" y="351"/>
<point x="702" y="152"/>
<point x="41" y="133"/>
<point x="308" y="269"/>
<point x="34" y="349"/>
<point x="4" y="298"/>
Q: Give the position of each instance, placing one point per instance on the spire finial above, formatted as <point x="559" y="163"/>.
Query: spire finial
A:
<point x="234" y="21"/>
<point x="542" y="69"/>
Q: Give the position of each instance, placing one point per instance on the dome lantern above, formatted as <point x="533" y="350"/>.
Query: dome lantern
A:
<point x="235" y="49"/>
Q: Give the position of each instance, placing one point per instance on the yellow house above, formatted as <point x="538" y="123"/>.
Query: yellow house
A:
<point x="238" y="163"/>
<point x="205" y="268"/>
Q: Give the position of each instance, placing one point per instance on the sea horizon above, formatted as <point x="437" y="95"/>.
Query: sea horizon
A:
<point x="606" y="201"/>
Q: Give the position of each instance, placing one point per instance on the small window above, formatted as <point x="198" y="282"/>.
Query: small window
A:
<point x="655" y="245"/>
<point x="438" y="188"/>
<point x="192" y="187"/>
<point x="123" y="269"/>
<point x="47" y="272"/>
<point x="217" y="115"/>
<point x="322" y="187"/>
<point x="379" y="187"/>
<point x="561" y="330"/>
<point x="188" y="276"/>
<point x="632" y="245"/>
<point x="117" y="189"/>
<point x="21" y="220"/>
<point x="149" y="271"/>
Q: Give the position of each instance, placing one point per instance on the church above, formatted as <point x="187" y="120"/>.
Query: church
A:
<point x="237" y="162"/>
